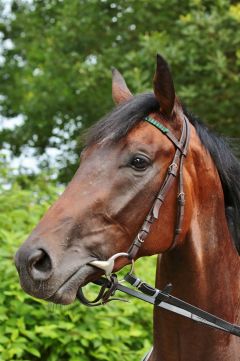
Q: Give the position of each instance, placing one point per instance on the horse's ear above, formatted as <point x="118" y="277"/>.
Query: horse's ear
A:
<point x="120" y="91"/>
<point x="163" y="86"/>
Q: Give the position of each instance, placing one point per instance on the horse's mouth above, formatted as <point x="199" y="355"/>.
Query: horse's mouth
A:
<point x="67" y="292"/>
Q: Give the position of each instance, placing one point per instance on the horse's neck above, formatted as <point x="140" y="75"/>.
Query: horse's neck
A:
<point x="204" y="271"/>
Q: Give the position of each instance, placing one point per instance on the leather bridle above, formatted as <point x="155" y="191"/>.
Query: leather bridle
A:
<point x="174" y="168"/>
<point x="163" y="299"/>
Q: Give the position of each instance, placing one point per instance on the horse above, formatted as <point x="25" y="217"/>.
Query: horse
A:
<point x="196" y="233"/>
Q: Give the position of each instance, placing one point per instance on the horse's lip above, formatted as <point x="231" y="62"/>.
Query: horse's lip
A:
<point x="67" y="292"/>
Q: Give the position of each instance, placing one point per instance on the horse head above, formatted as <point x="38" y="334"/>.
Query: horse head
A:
<point x="122" y="168"/>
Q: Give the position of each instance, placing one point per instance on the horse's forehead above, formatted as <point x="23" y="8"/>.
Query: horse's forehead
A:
<point x="142" y="135"/>
<point x="148" y="136"/>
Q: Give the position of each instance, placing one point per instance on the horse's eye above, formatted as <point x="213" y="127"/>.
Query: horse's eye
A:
<point x="139" y="162"/>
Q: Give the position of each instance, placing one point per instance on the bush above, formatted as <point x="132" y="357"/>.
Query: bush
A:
<point x="31" y="329"/>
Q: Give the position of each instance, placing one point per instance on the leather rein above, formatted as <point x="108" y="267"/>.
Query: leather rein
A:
<point x="159" y="298"/>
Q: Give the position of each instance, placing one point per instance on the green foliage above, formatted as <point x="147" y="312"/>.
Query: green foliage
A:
<point x="31" y="329"/>
<point x="57" y="74"/>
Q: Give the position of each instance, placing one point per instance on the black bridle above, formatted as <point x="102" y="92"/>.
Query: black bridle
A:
<point x="144" y="291"/>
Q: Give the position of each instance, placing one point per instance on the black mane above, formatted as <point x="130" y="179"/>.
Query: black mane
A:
<point x="124" y="117"/>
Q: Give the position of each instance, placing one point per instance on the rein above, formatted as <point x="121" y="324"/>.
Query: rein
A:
<point x="145" y="292"/>
<point x="158" y="298"/>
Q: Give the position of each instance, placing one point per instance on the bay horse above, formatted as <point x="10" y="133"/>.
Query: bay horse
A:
<point x="122" y="167"/>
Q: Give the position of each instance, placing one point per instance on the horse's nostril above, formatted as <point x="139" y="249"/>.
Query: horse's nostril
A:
<point x="40" y="261"/>
<point x="40" y="265"/>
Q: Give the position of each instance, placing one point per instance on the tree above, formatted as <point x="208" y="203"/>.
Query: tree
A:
<point x="57" y="71"/>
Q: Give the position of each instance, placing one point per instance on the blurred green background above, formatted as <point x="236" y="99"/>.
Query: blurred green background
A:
<point x="55" y="82"/>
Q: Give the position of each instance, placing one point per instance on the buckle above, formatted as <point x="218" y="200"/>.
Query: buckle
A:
<point x="181" y="198"/>
<point x="140" y="239"/>
<point x="173" y="168"/>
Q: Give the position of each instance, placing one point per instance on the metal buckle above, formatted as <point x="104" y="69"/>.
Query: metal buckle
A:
<point x="140" y="239"/>
<point x="181" y="198"/>
<point x="172" y="169"/>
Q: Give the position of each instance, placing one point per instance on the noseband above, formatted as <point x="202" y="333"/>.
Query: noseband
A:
<point x="147" y="293"/>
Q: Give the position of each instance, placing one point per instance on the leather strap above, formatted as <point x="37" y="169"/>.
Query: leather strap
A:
<point x="162" y="299"/>
<point x="147" y="356"/>
<point x="175" y="168"/>
<point x="158" y="297"/>
<point x="107" y="290"/>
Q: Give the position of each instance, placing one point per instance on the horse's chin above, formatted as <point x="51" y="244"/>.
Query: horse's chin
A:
<point x="67" y="292"/>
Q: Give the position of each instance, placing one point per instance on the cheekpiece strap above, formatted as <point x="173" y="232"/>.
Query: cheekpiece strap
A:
<point x="174" y="170"/>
